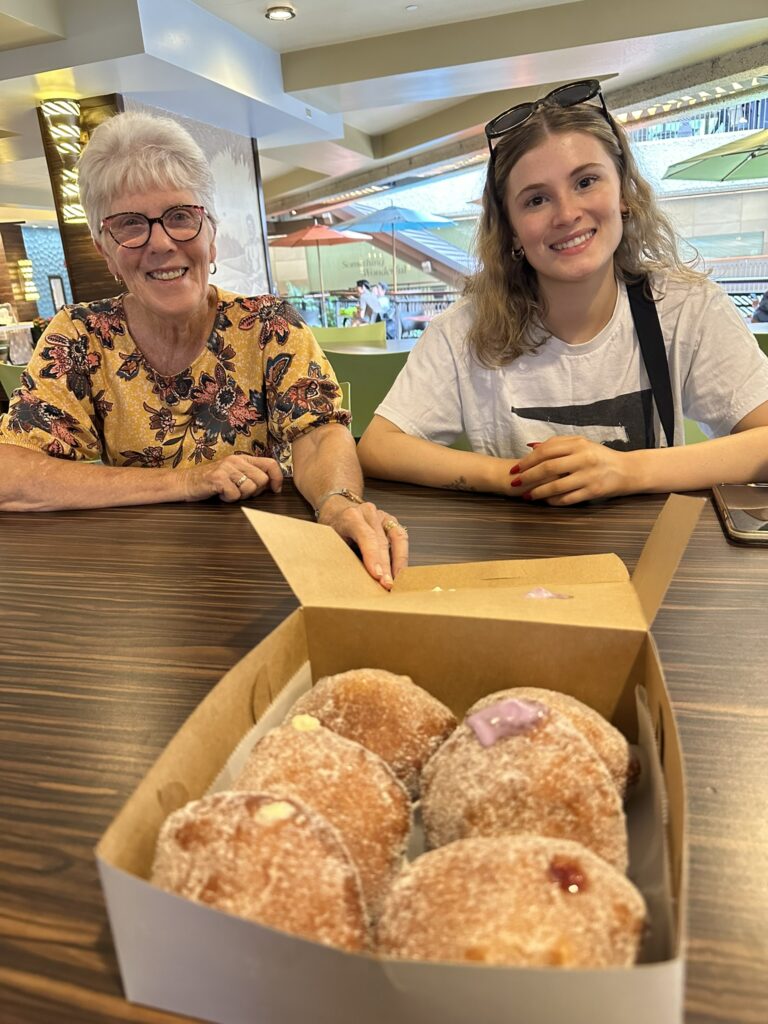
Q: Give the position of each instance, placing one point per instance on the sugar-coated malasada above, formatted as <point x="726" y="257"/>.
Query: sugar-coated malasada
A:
<point x="387" y="713"/>
<point x="517" y="766"/>
<point x="610" y="745"/>
<point x="349" y="785"/>
<point x="271" y="860"/>
<point x="525" y="900"/>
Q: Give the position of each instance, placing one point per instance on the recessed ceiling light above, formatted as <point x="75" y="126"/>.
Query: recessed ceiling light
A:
<point x="280" y="12"/>
<point x="410" y="8"/>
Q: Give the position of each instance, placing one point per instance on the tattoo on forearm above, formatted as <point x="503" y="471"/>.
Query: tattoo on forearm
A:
<point x="460" y="484"/>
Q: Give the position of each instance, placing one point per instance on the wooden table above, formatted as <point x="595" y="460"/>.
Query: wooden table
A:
<point x="114" y="624"/>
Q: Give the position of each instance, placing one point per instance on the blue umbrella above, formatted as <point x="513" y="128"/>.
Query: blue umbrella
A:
<point x="395" y="218"/>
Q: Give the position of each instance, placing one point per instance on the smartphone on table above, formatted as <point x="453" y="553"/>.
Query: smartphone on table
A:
<point x="743" y="510"/>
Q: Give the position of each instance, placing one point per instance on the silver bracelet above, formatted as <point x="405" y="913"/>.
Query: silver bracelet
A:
<point x="343" y="492"/>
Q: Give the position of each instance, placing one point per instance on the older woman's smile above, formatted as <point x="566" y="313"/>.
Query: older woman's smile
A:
<point x="167" y="275"/>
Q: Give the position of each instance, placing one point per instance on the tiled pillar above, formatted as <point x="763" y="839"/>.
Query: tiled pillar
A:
<point x="87" y="271"/>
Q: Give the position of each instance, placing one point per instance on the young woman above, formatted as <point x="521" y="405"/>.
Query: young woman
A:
<point x="582" y="342"/>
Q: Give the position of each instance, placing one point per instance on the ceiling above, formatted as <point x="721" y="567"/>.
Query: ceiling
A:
<point x="349" y="93"/>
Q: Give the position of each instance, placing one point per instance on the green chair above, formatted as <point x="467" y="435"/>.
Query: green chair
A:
<point x="10" y="377"/>
<point x="367" y="334"/>
<point x="693" y="432"/>
<point x="370" y="376"/>
<point x="346" y="396"/>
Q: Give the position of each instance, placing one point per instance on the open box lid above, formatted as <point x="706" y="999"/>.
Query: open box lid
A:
<point x="324" y="572"/>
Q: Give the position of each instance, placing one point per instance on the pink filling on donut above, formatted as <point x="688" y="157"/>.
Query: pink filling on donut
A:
<point x="507" y="718"/>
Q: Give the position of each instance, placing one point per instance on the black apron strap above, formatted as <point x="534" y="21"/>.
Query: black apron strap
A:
<point x="646" y="321"/>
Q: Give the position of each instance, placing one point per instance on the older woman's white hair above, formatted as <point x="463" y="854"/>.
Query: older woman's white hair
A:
<point x="136" y="152"/>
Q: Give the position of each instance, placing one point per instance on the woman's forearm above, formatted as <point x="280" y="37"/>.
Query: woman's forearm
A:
<point x="738" y="458"/>
<point x="324" y="460"/>
<point x="31" y="481"/>
<point x="388" y="453"/>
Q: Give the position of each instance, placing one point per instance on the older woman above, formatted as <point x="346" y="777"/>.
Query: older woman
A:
<point x="215" y="393"/>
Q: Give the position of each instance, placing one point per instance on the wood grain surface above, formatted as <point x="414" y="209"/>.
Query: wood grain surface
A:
<point x="115" y="623"/>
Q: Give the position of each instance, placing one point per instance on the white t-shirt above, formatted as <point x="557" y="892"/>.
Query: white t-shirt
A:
<point x="598" y="389"/>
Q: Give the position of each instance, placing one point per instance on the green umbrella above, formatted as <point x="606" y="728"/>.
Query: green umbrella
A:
<point x="737" y="161"/>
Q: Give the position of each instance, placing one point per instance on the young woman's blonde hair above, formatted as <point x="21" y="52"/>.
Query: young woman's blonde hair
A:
<point x="508" y="307"/>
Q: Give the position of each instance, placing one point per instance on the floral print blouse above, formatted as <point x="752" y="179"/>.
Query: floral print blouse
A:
<point x="89" y="393"/>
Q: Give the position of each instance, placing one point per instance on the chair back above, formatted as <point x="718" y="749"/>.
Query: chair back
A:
<point x="367" y="334"/>
<point x="370" y="377"/>
<point x="10" y="377"/>
<point x="693" y="432"/>
<point x="346" y="396"/>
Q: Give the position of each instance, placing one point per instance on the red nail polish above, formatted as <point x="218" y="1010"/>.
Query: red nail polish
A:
<point x="516" y="482"/>
<point x="515" y="469"/>
<point x="526" y="496"/>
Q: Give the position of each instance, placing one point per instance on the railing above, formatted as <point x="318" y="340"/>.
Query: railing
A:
<point x="411" y="309"/>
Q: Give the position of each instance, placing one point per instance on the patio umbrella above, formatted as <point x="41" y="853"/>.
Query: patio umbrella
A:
<point x="736" y="161"/>
<point x="392" y="219"/>
<point x="317" y="235"/>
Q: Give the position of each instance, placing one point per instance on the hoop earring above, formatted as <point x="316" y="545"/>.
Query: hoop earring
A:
<point x="518" y="254"/>
<point x="625" y="215"/>
<point x="213" y="268"/>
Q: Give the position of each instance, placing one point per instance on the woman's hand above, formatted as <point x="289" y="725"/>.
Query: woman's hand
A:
<point x="233" y="478"/>
<point x="381" y="539"/>
<point x="566" y="470"/>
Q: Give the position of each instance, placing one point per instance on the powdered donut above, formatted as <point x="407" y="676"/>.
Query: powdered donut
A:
<point x="524" y="900"/>
<point x="609" y="743"/>
<point x="387" y="713"/>
<point x="536" y="774"/>
<point x="350" y="786"/>
<point x="272" y="861"/>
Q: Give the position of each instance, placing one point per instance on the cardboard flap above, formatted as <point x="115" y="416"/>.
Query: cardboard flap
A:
<point x="573" y="569"/>
<point x="319" y="567"/>
<point x="663" y="550"/>
<point x="612" y="606"/>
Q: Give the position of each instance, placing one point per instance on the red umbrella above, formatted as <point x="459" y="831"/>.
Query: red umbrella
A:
<point x="317" y="235"/>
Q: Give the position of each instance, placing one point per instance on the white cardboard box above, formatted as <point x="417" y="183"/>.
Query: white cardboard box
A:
<point x="477" y="634"/>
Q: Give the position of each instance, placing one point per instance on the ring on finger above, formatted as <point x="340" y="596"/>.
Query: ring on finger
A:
<point x="391" y="524"/>
<point x="241" y="481"/>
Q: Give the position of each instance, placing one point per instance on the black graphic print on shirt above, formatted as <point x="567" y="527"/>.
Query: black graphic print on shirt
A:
<point x="624" y="423"/>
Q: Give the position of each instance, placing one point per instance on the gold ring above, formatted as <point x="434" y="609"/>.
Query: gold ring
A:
<point x="241" y="481"/>
<point x="391" y="524"/>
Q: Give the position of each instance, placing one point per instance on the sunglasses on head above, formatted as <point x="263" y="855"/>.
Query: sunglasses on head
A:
<point x="564" y="96"/>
